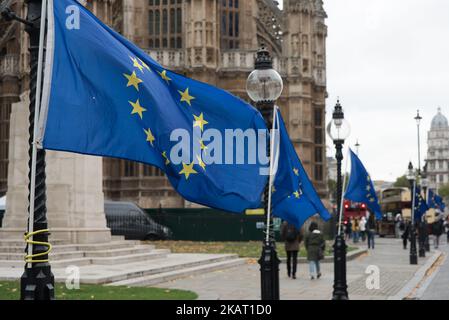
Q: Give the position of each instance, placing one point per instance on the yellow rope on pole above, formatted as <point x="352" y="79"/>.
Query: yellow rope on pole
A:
<point x="29" y="258"/>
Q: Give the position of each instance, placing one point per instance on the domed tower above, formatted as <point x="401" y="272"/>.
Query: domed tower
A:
<point x="438" y="151"/>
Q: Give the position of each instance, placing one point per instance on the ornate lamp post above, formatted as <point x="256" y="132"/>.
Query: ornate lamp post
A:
<point x="418" y="119"/>
<point x="422" y="251"/>
<point x="264" y="87"/>
<point x="412" y="180"/>
<point x="37" y="281"/>
<point x="339" y="130"/>
<point x="423" y="234"/>
<point x="425" y="186"/>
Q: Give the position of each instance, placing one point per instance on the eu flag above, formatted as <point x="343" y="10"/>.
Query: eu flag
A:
<point x="104" y="96"/>
<point x="435" y="201"/>
<point x="420" y="204"/>
<point x="303" y="202"/>
<point x="361" y="188"/>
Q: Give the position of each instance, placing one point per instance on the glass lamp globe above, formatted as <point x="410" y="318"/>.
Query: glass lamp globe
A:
<point x="338" y="129"/>
<point x="410" y="173"/>
<point x="264" y="85"/>
<point x="424" y="182"/>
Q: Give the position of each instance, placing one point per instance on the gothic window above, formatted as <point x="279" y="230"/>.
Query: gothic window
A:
<point x="318" y="118"/>
<point x="319" y="173"/>
<point x="164" y="21"/>
<point x="130" y="169"/>
<point x="151" y="22"/>
<point x="319" y="136"/>
<point x="165" y="24"/>
<point x="149" y="171"/>
<point x="5" y="111"/>
<point x="230" y="24"/>
<point x="319" y="140"/>
<point x="319" y="154"/>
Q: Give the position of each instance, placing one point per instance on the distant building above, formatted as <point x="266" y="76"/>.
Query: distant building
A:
<point x="438" y="151"/>
<point x="381" y="184"/>
<point x="332" y="168"/>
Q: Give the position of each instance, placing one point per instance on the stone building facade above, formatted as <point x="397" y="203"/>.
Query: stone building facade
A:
<point x="438" y="151"/>
<point x="213" y="41"/>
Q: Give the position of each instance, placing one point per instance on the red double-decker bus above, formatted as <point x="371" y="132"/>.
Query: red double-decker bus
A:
<point x="354" y="210"/>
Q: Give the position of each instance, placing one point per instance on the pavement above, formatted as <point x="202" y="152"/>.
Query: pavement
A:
<point x="380" y="274"/>
<point x="436" y="287"/>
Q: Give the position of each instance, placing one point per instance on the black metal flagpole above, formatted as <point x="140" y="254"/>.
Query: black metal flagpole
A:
<point x="37" y="281"/>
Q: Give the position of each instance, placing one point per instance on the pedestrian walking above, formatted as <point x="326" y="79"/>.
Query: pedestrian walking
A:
<point x="348" y="229"/>
<point x="355" y="230"/>
<point x="437" y="229"/>
<point x="446" y="226"/>
<point x="292" y="238"/>
<point x="398" y="223"/>
<point x="406" y="234"/>
<point x="315" y="246"/>
<point x="371" y="230"/>
<point x="362" y="227"/>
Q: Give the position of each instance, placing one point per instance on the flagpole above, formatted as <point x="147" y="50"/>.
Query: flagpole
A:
<point x="265" y="101"/>
<point x="413" y="252"/>
<point x="37" y="281"/>
<point x="343" y="195"/>
<point x="36" y="120"/>
<point x="272" y="171"/>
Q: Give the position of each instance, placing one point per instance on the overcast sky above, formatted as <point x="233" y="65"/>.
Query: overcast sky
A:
<point x="386" y="59"/>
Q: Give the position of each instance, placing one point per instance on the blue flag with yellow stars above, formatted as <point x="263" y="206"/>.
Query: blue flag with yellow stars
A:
<point x="361" y="188"/>
<point x="435" y="201"/>
<point x="104" y="96"/>
<point x="420" y="204"/>
<point x="304" y="202"/>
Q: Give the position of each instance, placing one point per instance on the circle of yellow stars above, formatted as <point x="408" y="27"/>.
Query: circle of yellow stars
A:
<point x="186" y="97"/>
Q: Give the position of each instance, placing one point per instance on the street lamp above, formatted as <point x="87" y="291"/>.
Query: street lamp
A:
<point x="422" y="251"/>
<point x="357" y="147"/>
<point x="339" y="130"/>
<point x="264" y="87"/>
<point x="418" y="119"/>
<point x="412" y="180"/>
<point x="425" y="185"/>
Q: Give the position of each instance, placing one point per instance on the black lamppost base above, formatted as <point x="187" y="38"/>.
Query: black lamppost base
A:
<point x="422" y="252"/>
<point x="340" y="287"/>
<point x="422" y="249"/>
<point x="37" y="283"/>
<point x="413" y="253"/>
<point x="269" y="272"/>
<point x="422" y="240"/>
<point x="427" y="244"/>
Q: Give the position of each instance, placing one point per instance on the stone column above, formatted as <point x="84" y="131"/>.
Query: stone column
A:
<point x="75" y="200"/>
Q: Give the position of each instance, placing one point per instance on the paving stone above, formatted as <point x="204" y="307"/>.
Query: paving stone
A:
<point x="438" y="288"/>
<point x="389" y="257"/>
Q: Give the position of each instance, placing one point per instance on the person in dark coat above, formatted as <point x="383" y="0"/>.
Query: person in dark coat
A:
<point x="371" y="230"/>
<point x="315" y="246"/>
<point x="437" y="229"/>
<point x="348" y="229"/>
<point x="292" y="238"/>
<point x="446" y="225"/>
<point x="406" y="234"/>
